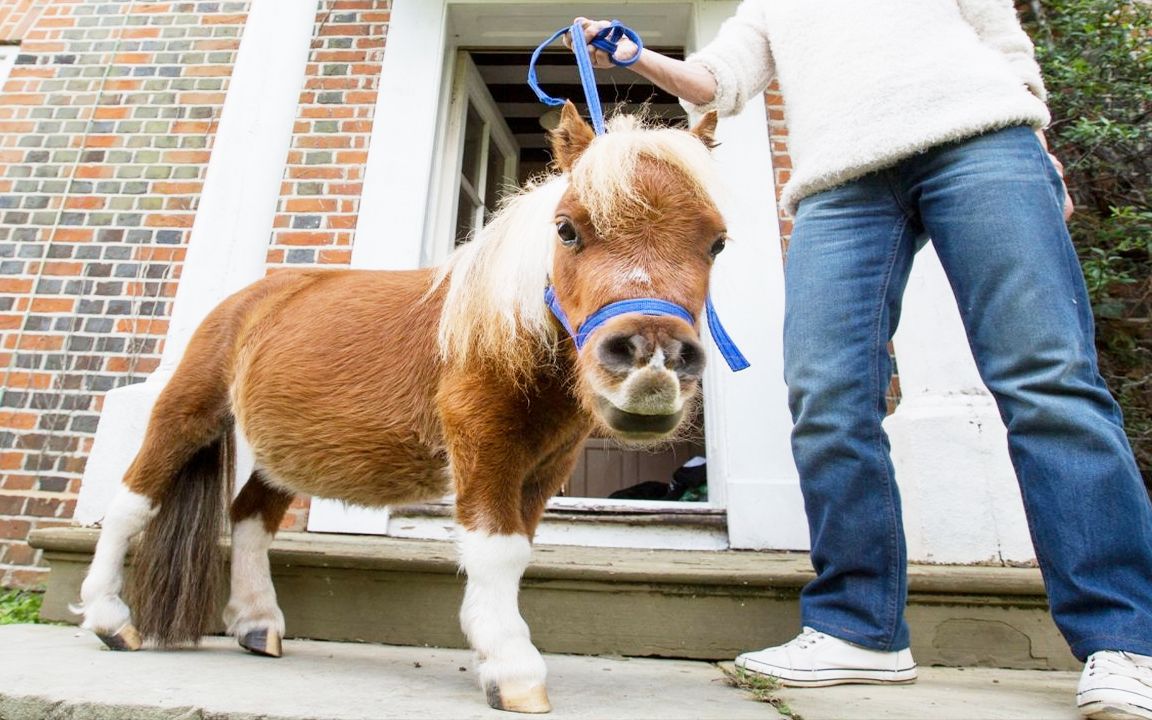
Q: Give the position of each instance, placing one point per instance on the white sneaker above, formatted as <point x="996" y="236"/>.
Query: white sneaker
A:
<point x="814" y="659"/>
<point x="1116" y="686"/>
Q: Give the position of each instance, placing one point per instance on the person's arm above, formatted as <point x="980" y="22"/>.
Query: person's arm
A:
<point x="998" y="26"/>
<point x="733" y="68"/>
<point x="1069" y="206"/>
<point x="689" y="82"/>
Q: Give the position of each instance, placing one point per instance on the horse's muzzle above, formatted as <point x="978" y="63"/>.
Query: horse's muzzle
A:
<point x="656" y="345"/>
<point x="636" y="425"/>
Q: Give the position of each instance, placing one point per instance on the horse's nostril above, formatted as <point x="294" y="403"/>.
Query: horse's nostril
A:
<point x="621" y="351"/>
<point x="689" y="360"/>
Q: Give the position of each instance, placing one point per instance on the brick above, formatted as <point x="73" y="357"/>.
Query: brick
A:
<point x="14" y="528"/>
<point x="302" y="238"/>
<point x="11" y="504"/>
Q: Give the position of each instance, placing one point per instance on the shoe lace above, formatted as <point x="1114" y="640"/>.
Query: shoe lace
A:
<point x="1137" y="667"/>
<point x="805" y="639"/>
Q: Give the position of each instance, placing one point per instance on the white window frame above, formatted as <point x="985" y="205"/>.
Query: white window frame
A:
<point x="468" y="89"/>
<point x="751" y="473"/>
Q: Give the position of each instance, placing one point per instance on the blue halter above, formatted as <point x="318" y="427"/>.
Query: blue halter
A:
<point x="647" y="306"/>
<point x="607" y="40"/>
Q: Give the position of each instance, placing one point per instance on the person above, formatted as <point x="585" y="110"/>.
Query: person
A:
<point x="908" y="120"/>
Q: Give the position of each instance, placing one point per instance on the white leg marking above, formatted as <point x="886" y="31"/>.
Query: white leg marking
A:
<point x="490" y="616"/>
<point x="104" y="612"/>
<point x="252" y="604"/>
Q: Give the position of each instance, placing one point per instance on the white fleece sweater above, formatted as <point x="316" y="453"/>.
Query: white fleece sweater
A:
<point x="867" y="83"/>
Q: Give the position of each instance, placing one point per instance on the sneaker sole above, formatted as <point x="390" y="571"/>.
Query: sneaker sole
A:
<point x="1114" y="711"/>
<point x="825" y="678"/>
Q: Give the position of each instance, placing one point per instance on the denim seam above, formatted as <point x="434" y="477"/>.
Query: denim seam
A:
<point x="1047" y="170"/>
<point x="909" y="214"/>
<point x="893" y="542"/>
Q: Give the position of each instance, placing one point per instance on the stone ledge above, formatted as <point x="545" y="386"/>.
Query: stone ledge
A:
<point x="665" y="603"/>
<point x="746" y="568"/>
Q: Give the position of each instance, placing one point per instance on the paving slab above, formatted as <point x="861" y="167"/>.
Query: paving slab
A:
<point x="52" y="672"/>
<point x="62" y="673"/>
<point x="946" y="694"/>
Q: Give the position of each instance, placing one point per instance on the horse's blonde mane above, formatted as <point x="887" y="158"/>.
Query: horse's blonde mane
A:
<point x="495" y="295"/>
<point x="604" y="176"/>
<point x="494" y="303"/>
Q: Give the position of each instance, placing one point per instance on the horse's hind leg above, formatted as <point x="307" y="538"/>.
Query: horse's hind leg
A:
<point x="188" y="430"/>
<point x="169" y="446"/>
<point x="105" y="613"/>
<point x="252" y="615"/>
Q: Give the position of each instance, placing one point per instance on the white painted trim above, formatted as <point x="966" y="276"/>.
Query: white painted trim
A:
<point x="228" y="245"/>
<point x="467" y="87"/>
<point x="8" y="55"/>
<point x="333" y="516"/>
<point x="746" y="414"/>
<point x="397" y="179"/>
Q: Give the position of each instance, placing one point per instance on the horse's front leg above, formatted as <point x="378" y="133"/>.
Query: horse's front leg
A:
<point x="498" y="509"/>
<point x="508" y="453"/>
<point x="510" y="668"/>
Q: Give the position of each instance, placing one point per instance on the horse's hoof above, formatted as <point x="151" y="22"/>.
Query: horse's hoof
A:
<point x="262" y="642"/>
<point x="518" y="697"/>
<point x="125" y="639"/>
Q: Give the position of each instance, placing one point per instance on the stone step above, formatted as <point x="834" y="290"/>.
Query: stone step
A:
<point x="707" y="605"/>
<point x="60" y="673"/>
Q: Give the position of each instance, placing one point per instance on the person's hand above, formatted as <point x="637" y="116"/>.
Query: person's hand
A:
<point x="625" y="49"/>
<point x="1069" y="207"/>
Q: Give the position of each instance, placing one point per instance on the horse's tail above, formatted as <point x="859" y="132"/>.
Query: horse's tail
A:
<point x="178" y="567"/>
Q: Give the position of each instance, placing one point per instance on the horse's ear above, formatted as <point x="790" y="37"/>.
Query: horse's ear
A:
<point x="570" y="138"/>
<point x="706" y="129"/>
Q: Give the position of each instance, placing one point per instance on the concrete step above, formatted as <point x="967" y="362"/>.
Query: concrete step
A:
<point x="945" y="694"/>
<point x="61" y="673"/>
<point x="707" y="605"/>
<point x="58" y="673"/>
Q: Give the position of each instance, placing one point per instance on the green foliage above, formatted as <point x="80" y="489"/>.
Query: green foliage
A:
<point x="760" y="687"/>
<point x="19" y="606"/>
<point x="1097" y="60"/>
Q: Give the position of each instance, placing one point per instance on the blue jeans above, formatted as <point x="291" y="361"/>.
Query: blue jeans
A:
<point x="993" y="208"/>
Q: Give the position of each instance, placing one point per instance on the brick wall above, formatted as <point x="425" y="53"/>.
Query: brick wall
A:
<point x="16" y="17"/>
<point x="106" y="125"/>
<point x="320" y="195"/>
<point x="321" y="192"/>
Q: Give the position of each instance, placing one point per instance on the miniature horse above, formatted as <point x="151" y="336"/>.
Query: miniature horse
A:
<point x="388" y="387"/>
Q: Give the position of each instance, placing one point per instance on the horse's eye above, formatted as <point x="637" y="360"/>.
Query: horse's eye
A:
<point x="718" y="246"/>
<point x="567" y="232"/>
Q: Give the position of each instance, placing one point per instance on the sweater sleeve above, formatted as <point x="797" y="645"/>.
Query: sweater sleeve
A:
<point x="998" y="26"/>
<point x="740" y="59"/>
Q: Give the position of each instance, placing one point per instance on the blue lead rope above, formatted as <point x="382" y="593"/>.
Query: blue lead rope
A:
<point x="607" y="40"/>
<point x="724" y="343"/>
